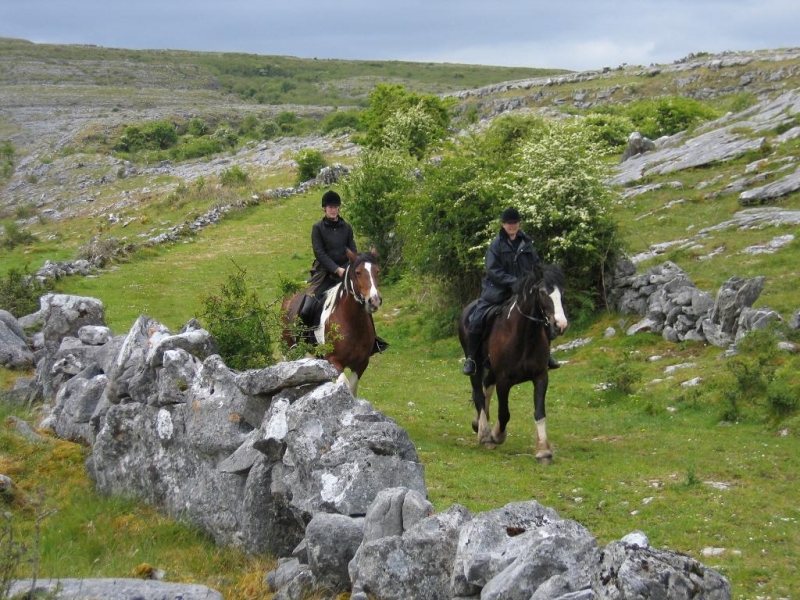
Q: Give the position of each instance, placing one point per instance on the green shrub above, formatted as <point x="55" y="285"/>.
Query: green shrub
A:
<point x="241" y="323"/>
<point x="234" y="176"/>
<point x="197" y="148"/>
<point x="341" y="119"/>
<point x="6" y="159"/>
<point x="270" y="130"/>
<point x="196" y="127"/>
<point x="411" y="129"/>
<point x="157" y="135"/>
<point x="783" y="393"/>
<point x="20" y="292"/>
<point x="14" y="236"/>
<point x="668" y="116"/>
<point x="748" y="375"/>
<point x="386" y="100"/>
<point x="226" y="136"/>
<point x="249" y="127"/>
<point x="610" y="131"/>
<point x="309" y="163"/>
<point x="558" y="185"/>
<point x="624" y="375"/>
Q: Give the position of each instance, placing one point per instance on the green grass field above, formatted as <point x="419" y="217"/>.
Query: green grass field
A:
<point x="659" y="460"/>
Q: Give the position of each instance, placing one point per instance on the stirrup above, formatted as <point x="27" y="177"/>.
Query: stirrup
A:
<point x="469" y="367"/>
<point x="552" y="363"/>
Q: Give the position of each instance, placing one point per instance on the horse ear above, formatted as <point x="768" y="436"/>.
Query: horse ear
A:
<point x="374" y="251"/>
<point x="351" y="256"/>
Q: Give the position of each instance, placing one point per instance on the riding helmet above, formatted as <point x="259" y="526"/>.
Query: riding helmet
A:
<point x="331" y="198"/>
<point x="511" y="215"/>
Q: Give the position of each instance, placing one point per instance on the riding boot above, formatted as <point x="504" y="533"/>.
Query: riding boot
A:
<point x="380" y="345"/>
<point x="308" y="311"/>
<point x="474" y="343"/>
<point x="552" y="363"/>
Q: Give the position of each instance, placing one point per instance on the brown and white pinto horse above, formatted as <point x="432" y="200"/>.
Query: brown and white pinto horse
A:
<point x="346" y="320"/>
<point x="516" y="348"/>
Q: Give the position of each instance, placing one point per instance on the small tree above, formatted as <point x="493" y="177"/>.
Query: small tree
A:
<point x="374" y="192"/>
<point x="309" y="163"/>
<point x="387" y="99"/>
<point x="559" y="187"/>
<point x="412" y="130"/>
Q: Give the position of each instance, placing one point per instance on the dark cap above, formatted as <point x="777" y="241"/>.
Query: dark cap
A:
<point x="331" y="198"/>
<point x="511" y="215"/>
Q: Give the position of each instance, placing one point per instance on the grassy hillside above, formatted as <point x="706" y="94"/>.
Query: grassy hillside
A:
<point x="658" y="456"/>
<point x="256" y="78"/>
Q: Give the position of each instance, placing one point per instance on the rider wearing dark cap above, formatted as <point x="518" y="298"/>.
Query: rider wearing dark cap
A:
<point x="510" y="257"/>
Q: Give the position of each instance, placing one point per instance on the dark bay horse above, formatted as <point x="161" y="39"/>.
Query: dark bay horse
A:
<point x="516" y="349"/>
<point x="346" y="321"/>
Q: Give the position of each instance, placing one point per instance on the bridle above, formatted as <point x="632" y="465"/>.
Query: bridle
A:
<point x="542" y="318"/>
<point x="350" y="285"/>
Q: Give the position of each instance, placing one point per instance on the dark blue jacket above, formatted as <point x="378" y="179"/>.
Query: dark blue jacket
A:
<point x="505" y="265"/>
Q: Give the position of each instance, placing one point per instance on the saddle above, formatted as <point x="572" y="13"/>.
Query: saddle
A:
<point x="488" y="318"/>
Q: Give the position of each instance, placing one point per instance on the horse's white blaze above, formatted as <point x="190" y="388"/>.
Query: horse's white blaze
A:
<point x="561" y="318"/>
<point x="373" y="296"/>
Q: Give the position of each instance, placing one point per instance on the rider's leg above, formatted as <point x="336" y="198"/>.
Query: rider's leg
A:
<point x="380" y="343"/>
<point x="474" y="343"/>
<point x="308" y="309"/>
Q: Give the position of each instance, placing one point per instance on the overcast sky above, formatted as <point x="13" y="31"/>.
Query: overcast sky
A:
<point x="569" y="34"/>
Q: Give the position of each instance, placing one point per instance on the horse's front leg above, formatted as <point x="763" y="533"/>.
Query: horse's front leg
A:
<point x="352" y="381"/>
<point x="544" y="452"/>
<point x="503" y="414"/>
<point x="482" y="397"/>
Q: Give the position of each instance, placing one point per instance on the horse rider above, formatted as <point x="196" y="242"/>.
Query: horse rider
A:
<point x="510" y="257"/>
<point x="331" y="237"/>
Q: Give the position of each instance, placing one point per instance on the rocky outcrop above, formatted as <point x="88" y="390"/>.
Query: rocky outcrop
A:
<point x="284" y="461"/>
<point x="672" y="306"/>
<point x="250" y="457"/>
<point x="15" y="352"/>
<point x="522" y="551"/>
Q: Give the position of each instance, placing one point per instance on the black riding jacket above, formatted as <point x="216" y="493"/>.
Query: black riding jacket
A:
<point x="330" y="241"/>
<point x="505" y="265"/>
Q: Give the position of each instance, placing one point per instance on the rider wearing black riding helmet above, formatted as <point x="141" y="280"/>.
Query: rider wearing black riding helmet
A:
<point x="510" y="257"/>
<point x="331" y="237"/>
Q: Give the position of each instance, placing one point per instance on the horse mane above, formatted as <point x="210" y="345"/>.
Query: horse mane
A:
<point x="362" y="258"/>
<point x="552" y="275"/>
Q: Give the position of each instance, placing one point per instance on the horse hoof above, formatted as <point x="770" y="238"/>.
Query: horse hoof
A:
<point x="489" y="445"/>
<point x="545" y="460"/>
<point x="475" y="425"/>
